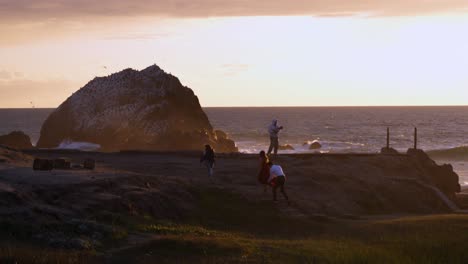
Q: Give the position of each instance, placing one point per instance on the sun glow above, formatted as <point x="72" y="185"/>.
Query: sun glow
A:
<point x="260" y="61"/>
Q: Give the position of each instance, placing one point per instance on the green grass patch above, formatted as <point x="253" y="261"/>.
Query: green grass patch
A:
<point x="177" y="229"/>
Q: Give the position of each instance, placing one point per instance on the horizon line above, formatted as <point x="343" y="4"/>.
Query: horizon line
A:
<point x="280" y="106"/>
<point x="317" y="106"/>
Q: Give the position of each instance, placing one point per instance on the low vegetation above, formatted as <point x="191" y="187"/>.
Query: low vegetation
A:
<point x="228" y="229"/>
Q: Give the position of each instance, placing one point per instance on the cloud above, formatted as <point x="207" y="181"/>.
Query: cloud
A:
<point x="43" y="93"/>
<point x="9" y="76"/>
<point x="122" y="28"/>
<point x="4" y="75"/>
<point x="136" y="36"/>
<point x="19" y="74"/>
<point x="34" y="10"/>
<point x="23" y="21"/>
<point x="234" y="68"/>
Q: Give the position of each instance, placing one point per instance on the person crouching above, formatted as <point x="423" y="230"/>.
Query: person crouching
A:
<point x="277" y="179"/>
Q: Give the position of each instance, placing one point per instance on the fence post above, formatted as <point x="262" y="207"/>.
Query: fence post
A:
<point x="388" y="137"/>
<point x="415" y="138"/>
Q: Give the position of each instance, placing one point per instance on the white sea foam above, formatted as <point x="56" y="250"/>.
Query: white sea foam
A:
<point x="83" y="146"/>
<point x="252" y="146"/>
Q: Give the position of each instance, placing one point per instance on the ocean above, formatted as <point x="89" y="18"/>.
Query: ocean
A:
<point x="338" y="129"/>
<point x="345" y="129"/>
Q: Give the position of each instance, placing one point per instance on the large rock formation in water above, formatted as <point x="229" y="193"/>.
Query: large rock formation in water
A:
<point x="137" y="110"/>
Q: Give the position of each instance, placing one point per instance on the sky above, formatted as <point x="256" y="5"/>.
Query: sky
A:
<point x="241" y="52"/>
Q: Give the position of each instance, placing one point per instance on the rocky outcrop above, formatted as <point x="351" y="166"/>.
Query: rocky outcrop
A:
<point x="315" y="145"/>
<point x="286" y="147"/>
<point x="441" y="176"/>
<point x="389" y="151"/>
<point x="134" y="110"/>
<point x="17" y="140"/>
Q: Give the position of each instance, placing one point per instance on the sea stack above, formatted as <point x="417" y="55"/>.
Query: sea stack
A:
<point x="134" y="110"/>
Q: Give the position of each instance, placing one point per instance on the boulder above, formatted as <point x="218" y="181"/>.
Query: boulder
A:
<point x="441" y="176"/>
<point x="286" y="147"/>
<point x="134" y="110"/>
<point x="421" y="157"/>
<point x="446" y="180"/>
<point x="390" y="151"/>
<point x="315" y="145"/>
<point x="17" y="140"/>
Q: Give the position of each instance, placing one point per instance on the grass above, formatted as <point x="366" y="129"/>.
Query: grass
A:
<point x="225" y="228"/>
<point x="228" y="229"/>
<point x="229" y="212"/>
<point x="192" y="244"/>
<point x="17" y="253"/>
<point x="386" y="248"/>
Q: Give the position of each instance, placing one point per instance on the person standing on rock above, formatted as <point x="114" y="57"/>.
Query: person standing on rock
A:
<point x="273" y="130"/>
<point x="277" y="179"/>
<point x="208" y="159"/>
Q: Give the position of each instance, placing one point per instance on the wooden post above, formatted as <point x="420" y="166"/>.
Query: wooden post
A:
<point x="415" y="138"/>
<point x="388" y="137"/>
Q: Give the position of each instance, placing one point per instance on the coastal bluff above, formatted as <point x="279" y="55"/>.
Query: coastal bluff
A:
<point x="134" y="110"/>
<point x="138" y="193"/>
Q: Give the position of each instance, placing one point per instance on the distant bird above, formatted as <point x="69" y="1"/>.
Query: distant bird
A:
<point x="104" y="67"/>
<point x="32" y="104"/>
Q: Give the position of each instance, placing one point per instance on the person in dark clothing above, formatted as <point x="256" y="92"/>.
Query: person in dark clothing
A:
<point x="264" y="170"/>
<point x="208" y="159"/>
<point x="277" y="179"/>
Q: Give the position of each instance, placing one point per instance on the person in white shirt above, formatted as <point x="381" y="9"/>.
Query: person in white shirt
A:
<point x="277" y="179"/>
<point x="273" y="130"/>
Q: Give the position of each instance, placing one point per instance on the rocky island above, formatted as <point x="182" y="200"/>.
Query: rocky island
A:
<point x="134" y="110"/>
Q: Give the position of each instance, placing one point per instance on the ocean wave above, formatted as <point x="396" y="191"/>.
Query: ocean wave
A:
<point x="328" y="146"/>
<point x="83" y="146"/>
<point x="451" y="153"/>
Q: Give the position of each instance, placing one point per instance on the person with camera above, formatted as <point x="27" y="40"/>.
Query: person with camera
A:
<point x="273" y="130"/>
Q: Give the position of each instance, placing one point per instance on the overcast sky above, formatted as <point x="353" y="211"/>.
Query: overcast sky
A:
<point x="242" y="53"/>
